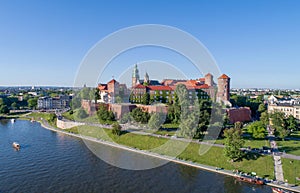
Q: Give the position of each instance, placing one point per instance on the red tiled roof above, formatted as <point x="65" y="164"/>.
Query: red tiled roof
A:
<point x="139" y="86"/>
<point x="160" y="88"/>
<point x="102" y="86"/>
<point x="112" y="81"/>
<point x="203" y="86"/>
<point x="224" y="76"/>
<point x="202" y="79"/>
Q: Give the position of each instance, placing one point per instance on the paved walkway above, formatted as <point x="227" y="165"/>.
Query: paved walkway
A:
<point x="277" y="158"/>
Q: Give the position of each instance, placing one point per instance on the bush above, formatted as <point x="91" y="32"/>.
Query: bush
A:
<point x="104" y="114"/>
<point x="116" y="129"/>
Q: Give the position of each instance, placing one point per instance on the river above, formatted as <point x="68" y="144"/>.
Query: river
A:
<point x="53" y="162"/>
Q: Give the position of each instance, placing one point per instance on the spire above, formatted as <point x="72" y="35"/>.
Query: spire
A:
<point x="146" y="78"/>
<point x="135" y="73"/>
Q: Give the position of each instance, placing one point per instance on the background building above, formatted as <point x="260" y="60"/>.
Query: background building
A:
<point x="163" y="92"/>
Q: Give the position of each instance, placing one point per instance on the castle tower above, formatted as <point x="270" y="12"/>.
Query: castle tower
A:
<point x="209" y="79"/>
<point x="135" y="76"/>
<point x="146" y="79"/>
<point x="223" y="94"/>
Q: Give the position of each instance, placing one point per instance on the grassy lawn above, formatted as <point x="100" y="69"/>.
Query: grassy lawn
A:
<point x="291" y="170"/>
<point x="289" y="146"/>
<point x="262" y="165"/>
<point x="50" y="117"/>
<point x="89" y="119"/>
<point x="170" y="126"/>
<point x="69" y="116"/>
<point x="295" y="134"/>
<point x="253" y="143"/>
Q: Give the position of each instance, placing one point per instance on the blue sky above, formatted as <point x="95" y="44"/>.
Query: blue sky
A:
<point x="255" y="42"/>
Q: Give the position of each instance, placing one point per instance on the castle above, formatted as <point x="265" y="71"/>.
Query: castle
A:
<point x="163" y="91"/>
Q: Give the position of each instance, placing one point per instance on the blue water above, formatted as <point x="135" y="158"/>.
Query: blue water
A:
<point x="53" y="162"/>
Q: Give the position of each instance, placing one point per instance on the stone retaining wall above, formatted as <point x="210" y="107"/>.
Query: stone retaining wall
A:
<point x="67" y="124"/>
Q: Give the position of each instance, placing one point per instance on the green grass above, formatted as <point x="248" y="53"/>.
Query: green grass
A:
<point x="89" y="119"/>
<point x="253" y="143"/>
<point x="289" y="146"/>
<point x="42" y="115"/>
<point x="262" y="165"/>
<point x="295" y="134"/>
<point x="170" y="126"/>
<point x="69" y="116"/>
<point x="291" y="170"/>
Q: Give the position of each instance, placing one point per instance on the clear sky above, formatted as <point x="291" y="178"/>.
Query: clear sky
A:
<point x="255" y="42"/>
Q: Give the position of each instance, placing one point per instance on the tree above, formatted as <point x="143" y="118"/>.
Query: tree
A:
<point x="262" y="108"/>
<point x="81" y="113"/>
<point x="282" y="132"/>
<point x="257" y="129"/>
<point x="174" y="111"/>
<point x="32" y="103"/>
<point x="104" y="114"/>
<point x="118" y="99"/>
<point x="146" y="98"/>
<point x="97" y="94"/>
<point x="116" y="129"/>
<point x="4" y="109"/>
<point x="2" y="102"/>
<point x="126" y="118"/>
<point x="279" y="124"/>
<point x="264" y="118"/>
<point x="14" y="105"/>
<point x="76" y="101"/>
<point x="139" y="115"/>
<point x="233" y="144"/>
<point x="156" y="120"/>
<point x="277" y="119"/>
<point x="291" y="123"/>
<point x="238" y="125"/>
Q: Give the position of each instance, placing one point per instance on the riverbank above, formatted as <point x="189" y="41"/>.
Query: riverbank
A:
<point x="164" y="157"/>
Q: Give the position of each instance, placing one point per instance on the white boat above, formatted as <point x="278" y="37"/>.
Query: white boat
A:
<point x="16" y="145"/>
<point x="13" y="120"/>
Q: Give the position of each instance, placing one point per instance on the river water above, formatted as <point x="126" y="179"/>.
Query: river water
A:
<point x="53" y="162"/>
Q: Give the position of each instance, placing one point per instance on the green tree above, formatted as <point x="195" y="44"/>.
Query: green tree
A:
<point x="51" y="118"/>
<point x="118" y="99"/>
<point x="139" y="115"/>
<point x="279" y="124"/>
<point x="14" y="105"/>
<point x="81" y="113"/>
<point x="264" y="118"/>
<point x="238" y="125"/>
<point x="4" y="109"/>
<point x="97" y="94"/>
<point x="32" y="103"/>
<point x="2" y="102"/>
<point x="257" y="129"/>
<point x="262" y="108"/>
<point x="126" y="118"/>
<point x="146" y="98"/>
<point x="156" y="120"/>
<point x="116" y="129"/>
<point x="291" y="123"/>
<point x="233" y="144"/>
<point x="174" y="111"/>
<point x="282" y="132"/>
<point x="104" y="114"/>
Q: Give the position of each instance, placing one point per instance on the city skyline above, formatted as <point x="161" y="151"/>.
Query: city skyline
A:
<point x="254" y="42"/>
